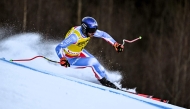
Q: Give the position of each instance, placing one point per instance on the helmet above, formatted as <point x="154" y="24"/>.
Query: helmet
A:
<point x="89" y="25"/>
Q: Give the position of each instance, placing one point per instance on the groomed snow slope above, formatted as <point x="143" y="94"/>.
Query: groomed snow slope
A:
<point x="39" y="84"/>
<point x="23" y="87"/>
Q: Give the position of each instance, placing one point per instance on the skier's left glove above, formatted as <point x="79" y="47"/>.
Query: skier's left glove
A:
<point x="118" y="47"/>
<point x="64" y="62"/>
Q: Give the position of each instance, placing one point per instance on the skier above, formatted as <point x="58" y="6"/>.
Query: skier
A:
<point x="72" y="53"/>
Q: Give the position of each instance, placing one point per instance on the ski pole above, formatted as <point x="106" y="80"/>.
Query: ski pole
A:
<point x="124" y="40"/>
<point x="35" y="58"/>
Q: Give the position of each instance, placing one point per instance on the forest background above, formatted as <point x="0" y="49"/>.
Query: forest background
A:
<point x="158" y="65"/>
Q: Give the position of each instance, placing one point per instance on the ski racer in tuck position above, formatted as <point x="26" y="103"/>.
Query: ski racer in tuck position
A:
<point x="72" y="53"/>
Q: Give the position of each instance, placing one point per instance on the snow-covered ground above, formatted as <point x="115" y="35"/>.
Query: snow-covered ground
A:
<point x="39" y="84"/>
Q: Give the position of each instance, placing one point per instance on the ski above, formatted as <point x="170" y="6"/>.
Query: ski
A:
<point x="147" y="96"/>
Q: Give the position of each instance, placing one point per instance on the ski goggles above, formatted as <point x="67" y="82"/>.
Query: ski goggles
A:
<point x="91" y="30"/>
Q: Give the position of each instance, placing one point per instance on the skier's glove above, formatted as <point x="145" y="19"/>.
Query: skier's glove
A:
<point x="118" y="47"/>
<point x="64" y="62"/>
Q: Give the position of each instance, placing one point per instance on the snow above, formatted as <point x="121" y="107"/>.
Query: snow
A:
<point x="39" y="84"/>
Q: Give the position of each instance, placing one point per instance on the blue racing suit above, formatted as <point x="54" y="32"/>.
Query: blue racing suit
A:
<point x="72" y="47"/>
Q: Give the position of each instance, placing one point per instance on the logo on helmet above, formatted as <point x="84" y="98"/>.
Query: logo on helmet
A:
<point x="84" y="26"/>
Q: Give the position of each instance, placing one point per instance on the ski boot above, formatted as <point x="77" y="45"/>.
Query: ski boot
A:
<point x="107" y="83"/>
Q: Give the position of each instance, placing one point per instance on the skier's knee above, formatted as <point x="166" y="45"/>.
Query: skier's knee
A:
<point x="93" y="61"/>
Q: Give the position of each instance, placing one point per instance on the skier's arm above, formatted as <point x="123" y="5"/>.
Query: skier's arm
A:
<point x="71" y="39"/>
<point x="105" y="36"/>
<point x="101" y="34"/>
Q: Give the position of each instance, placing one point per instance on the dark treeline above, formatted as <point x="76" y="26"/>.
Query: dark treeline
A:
<point x="158" y="65"/>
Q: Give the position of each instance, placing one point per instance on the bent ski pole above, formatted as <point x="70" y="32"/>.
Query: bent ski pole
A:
<point x="34" y="58"/>
<point x="124" y="40"/>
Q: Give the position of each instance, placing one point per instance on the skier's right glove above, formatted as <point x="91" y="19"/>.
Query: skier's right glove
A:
<point x="64" y="62"/>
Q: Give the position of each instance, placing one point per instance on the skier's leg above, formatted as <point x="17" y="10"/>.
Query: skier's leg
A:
<point x="92" y="62"/>
<point x="88" y="60"/>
